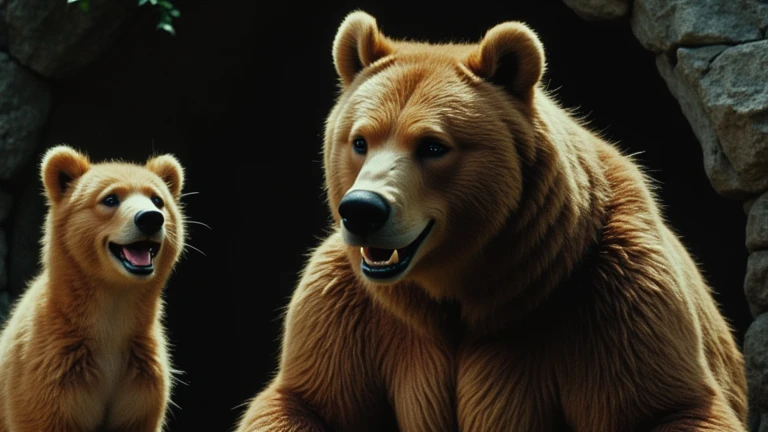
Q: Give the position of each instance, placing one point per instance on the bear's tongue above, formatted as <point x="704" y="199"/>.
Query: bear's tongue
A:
<point x="137" y="256"/>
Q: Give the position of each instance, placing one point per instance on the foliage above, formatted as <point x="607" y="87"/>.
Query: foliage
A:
<point x="166" y="9"/>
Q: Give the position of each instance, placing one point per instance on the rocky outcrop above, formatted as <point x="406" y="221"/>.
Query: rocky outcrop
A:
<point x="664" y="25"/>
<point x="25" y="101"/>
<point x="593" y="10"/>
<point x="58" y="38"/>
<point x="722" y="93"/>
<point x="756" y="354"/>
<point x="40" y="39"/>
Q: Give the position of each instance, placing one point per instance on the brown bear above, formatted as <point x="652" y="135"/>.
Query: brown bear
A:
<point x="84" y="348"/>
<point x="493" y="265"/>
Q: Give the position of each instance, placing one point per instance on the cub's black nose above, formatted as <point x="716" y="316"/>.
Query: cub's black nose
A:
<point x="149" y="221"/>
<point x="363" y="212"/>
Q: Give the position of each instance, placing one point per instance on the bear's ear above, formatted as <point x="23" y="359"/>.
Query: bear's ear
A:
<point x="357" y="44"/>
<point x="510" y="55"/>
<point x="61" y="165"/>
<point x="168" y="168"/>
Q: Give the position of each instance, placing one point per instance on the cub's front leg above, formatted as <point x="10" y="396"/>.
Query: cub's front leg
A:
<point x="55" y="390"/>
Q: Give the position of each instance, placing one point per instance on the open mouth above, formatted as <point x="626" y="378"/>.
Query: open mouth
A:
<point x="382" y="264"/>
<point x="136" y="257"/>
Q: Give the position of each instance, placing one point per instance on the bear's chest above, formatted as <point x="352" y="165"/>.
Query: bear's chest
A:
<point x="476" y="387"/>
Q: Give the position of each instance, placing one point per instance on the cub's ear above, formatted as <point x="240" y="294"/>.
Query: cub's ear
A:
<point x="510" y="55"/>
<point x="357" y="44"/>
<point x="61" y="165"/>
<point x="168" y="168"/>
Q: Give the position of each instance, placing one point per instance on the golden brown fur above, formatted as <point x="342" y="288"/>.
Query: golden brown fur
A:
<point x="549" y="295"/>
<point x="84" y="348"/>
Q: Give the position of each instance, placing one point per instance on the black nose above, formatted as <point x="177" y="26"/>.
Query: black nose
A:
<point x="363" y="212"/>
<point x="149" y="221"/>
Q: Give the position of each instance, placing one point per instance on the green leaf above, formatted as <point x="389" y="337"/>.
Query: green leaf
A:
<point x="85" y="5"/>
<point x="154" y="2"/>
<point x="72" y="1"/>
<point x="174" y="13"/>
<point x="143" y="2"/>
<point x="167" y="27"/>
<point x="165" y="4"/>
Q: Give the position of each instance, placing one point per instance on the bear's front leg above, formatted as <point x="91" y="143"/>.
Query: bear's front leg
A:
<point x="273" y="410"/>
<point x="712" y="415"/>
<point x="329" y="358"/>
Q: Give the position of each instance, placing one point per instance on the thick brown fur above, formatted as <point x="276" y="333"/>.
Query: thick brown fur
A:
<point x="84" y="348"/>
<point x="550" y="293"/>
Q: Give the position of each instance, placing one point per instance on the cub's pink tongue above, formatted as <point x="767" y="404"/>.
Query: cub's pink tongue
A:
<point x="137" y="257"/>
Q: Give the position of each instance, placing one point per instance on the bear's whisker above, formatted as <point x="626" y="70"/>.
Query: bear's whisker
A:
<point x="199" y="223"/>
<point x="194" y="248"/>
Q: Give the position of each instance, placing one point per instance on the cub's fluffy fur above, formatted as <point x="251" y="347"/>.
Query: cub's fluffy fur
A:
<point x="84" y="348"/>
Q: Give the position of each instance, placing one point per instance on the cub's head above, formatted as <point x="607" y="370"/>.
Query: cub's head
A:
<point x="116" y="222"/>
<point x="426" y="145"/>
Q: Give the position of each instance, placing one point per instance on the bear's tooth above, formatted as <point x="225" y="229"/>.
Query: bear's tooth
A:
<point x="394" y="258"/>
<point x="365" y="256"/>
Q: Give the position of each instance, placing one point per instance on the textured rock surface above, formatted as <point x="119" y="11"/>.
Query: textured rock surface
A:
<point x="721" y="174"/>
<point x="757" y="224"/>
<point x="734" y="92"/>
<point x="722" y="94"/>
<point x="599" y="9"/>
<point x="756" y="282"/>
<point x="756" y="353"/>
<point x="24" y="105"/>
<point x="56" y="38"/>
<point x="661" y="25"/>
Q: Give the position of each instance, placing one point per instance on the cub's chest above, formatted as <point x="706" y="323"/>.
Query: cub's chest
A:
<point x="112" y="365"/>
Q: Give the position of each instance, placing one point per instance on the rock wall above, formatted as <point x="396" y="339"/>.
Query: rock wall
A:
<point x="713" y="56"/>
<point x="40" y="41"/>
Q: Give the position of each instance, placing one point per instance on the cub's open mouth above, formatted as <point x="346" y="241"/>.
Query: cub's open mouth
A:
<point x="136" y="257"/>
<point x="382" y="264"/>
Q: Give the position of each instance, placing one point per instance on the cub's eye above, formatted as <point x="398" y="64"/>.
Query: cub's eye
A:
<point x="157" y="201"/>
<point x="360" y="146"/>
<point x="111" y="200"/>
<point x="431" y="149"/>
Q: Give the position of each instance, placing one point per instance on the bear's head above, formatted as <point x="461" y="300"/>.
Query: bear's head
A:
<point x="424" y="147"/>
<point x="117" y="223"/>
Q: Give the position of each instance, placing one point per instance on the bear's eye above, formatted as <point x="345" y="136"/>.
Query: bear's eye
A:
<point x="157" y="201"/>
<point x="360" y="146"/>
<point x="111" y="200"/>
<point x="431" y="149"/>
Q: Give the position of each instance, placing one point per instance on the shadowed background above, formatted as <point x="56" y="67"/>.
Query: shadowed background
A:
<point x="240" y="95"/>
